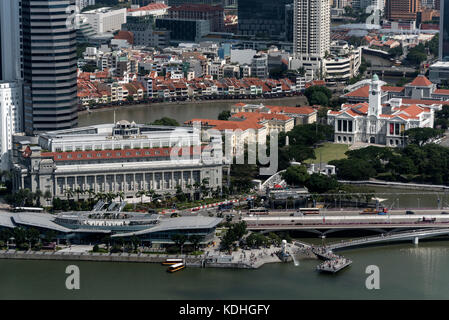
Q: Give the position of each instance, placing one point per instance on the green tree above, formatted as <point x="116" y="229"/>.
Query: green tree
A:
<point x="296" y="175"/>
<point x="166" y="122"/>
<point x="224" y="115"/>
<point x="420" y="136"/>
<point x="318" y="95"/>
<point x="195" y="240"/>
<point x="179" y="240"/>
<point x="319" y="183"/>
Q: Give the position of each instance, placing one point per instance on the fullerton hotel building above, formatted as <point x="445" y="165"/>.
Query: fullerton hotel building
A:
<point x="120" y="157"/>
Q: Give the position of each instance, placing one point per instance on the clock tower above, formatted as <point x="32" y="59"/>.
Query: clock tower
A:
<point x="375" y="97"/>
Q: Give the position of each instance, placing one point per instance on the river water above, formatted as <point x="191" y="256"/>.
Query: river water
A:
<point x="181" y="112"/>
<point x="407" y="271"/>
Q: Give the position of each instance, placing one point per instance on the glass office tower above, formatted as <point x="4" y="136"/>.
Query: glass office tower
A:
<point x="444" y="30"/>
<point x="263" y="18"/>
<point x="50" y="65"/>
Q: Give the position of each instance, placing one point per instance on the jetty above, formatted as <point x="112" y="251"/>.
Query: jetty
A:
<point x="332" y="262"/>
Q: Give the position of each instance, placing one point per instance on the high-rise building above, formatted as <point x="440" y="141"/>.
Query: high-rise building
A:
<point x="402" y="10"/>
<point x="10" y="41"/>
<point x="50" y="65"/>
<point x="11" y="119"/>
<point x="444" y="31"/>
<point x="214" y="14"/>
<point x="262" y="18"/>
<point x="311" y="31"/>
<point x="11" y="97"/>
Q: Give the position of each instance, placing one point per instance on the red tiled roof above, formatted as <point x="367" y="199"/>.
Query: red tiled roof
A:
<point x="424" y="102"/>
<point x="362" y="92"/>
<point x="441" y="92"/>
<point x="421" y="81"/>
<point x="112" y="154"/>
<point x="293" y="110"/>
<point x="392" y="89"/>
<point x="150" y="7"/>
<point x="228" y="125"/>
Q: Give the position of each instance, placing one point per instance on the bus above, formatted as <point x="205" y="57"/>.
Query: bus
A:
<point x="258" y="211"/>
<point x="170" y="262"/>
<point x="306" y="211"/>
<point x="27" y="209"/>
<point x="176" y="267"/>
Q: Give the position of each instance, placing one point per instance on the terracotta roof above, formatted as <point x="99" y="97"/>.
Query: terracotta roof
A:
<point x="362" y="92"/>
<point x="424" y="102"/>
<point x="441" y="91"/>
<point x="292" y="110"/>
<point x="420" y="81"/>
<point x="228" y="125"/>
<point x="112" y="154"/>
<point x="392" y="89"/>
<point x="150" y="7"/>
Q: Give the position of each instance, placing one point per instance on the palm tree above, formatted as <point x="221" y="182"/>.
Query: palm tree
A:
<point x="69" y="193"/>
<point x="91" y="192"/>
<point x="121" y="194"/>
<point x="140" y="194"/>
<point x="196" y="187"/>
<point x="195" y="239"/>
<point x="79" y="191"/>
<point x="179" y="240"/>
<point x="100" y="196"/>
<point x="190" y="188"/>
<point x="151" y="194"/>
<point x="110" y="196"/>
<point x="37" y="195"/>
<point x="48" y="195"/>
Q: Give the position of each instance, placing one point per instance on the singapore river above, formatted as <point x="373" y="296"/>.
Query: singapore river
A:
<point x="181" y="112"/>
<point x="407" y="271"/>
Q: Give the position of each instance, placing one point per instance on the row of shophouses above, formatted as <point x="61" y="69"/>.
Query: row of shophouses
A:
<point x="93" y="90"/>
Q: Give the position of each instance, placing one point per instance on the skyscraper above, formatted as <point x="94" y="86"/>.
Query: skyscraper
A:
<point x="264" y="18"/>
<point x="50" y="65"/>
<point x="405" y="10"/>
<point x="444" y="31"/>
<point x="10" y="40"/>
<point x="11" y="99"/>
<point x="311" y="31"/>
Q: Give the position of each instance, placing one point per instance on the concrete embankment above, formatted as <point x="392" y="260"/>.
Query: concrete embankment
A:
<point x="196" y="261"/>
<point x="401" y="185"/>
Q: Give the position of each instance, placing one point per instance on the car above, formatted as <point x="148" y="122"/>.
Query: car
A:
<point x="444" y="212"/>
<point x="409" y="212"/>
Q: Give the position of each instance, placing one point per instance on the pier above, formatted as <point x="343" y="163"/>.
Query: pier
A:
<point x="332" y="262"/>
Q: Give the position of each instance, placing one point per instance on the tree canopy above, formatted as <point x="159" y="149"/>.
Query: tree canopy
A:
<point x="420" y="136"/>
<point x="318" y="95"/>
<point x="166" y="122"/>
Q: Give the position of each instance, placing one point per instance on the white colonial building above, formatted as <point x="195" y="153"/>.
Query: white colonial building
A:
<point x="121" y="157"/>
<point x="378" y="123"/>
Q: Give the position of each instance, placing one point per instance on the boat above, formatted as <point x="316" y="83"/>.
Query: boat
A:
<point x="176" y="267"/>
<point x="170" y="262"/>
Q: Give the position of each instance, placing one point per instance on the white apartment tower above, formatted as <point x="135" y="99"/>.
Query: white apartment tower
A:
<point x="311" y="31"/>
<point x="10" y="41"/>
<point x="11" y="68"/>
<point x="11" y="122"/>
